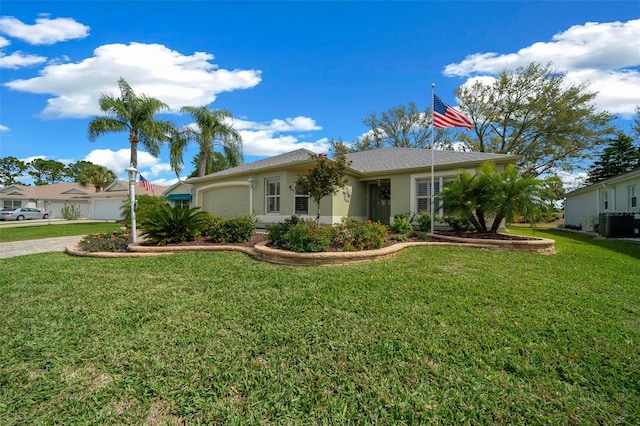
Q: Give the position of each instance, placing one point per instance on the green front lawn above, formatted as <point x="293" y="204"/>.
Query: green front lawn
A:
<point x="434" y="335"/>
<point x="23" y="233"/>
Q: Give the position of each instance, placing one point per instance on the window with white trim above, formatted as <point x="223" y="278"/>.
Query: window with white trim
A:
<point x="633" y="197"/>
<point x="605" y="200"/>
<point x="301" y="202"/>
<point x="272" y="195"/>
<point x="423" y="193"/>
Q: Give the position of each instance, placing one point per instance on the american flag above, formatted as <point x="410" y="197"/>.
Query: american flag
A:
<point x="145" y="184"/>
<point x="446" y="116"/>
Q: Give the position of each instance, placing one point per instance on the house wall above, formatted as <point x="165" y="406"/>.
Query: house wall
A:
<point x="583" y="206"/>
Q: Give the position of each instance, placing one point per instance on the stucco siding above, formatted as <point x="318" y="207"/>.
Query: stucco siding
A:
<point x="580" y="208"/>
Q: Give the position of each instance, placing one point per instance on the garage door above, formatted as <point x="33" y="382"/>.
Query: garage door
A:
<point x="227" y="202"/>
<point x="56" y="208"/>
<point x="107" y="209"/>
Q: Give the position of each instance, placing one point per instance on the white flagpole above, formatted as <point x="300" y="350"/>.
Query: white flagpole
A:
<point x="433" y="130"/>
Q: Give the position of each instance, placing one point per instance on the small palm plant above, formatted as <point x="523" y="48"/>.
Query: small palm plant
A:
<point x="167" y="224"/>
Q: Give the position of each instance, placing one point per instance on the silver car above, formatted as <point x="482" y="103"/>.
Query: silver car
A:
<point x="22" y="213"/>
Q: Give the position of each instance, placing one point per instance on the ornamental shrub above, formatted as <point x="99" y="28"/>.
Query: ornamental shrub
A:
<point x="424" y="220"/>
<point x="353" y="235"/>
<point x="276" y="232"/>
<point x="168" y="224"/>
<point x="71" y="211"/>
<point x="109" y="241"/>
<point x="236" y="230"/>
<point x="401" y="226"/>
<point x="308" y="237"/>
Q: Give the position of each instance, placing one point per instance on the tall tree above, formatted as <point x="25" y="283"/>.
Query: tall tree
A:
<point x="212" y="127"/>
<point x="536" y="113"/>
<point x="10" y="170"/>
<point x="635" y="127"/>
<point x="133" y="114"/>
<point x="87" y="173"/>
<point x="620" y="156"/>
<point x="45" y="172"/>
<point x="325" y="178"/>
<point x="402" y="126"/>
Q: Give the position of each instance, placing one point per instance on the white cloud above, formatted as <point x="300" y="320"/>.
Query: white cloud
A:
<point x="4" y="42"/>
<point x="265" y="138"/>
<point x="118" y="162"/>
<point x="19" y="60"/>
<point x="150" y="69"/>
<point x="44" y="31"/>
<point x="605" y="54"/>
<point x="4" y="128"/>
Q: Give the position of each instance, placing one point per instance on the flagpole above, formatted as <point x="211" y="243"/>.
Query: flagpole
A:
<point x="433" y="130"/>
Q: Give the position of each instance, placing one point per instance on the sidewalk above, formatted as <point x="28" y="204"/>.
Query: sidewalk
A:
<point x="21" y="248"/>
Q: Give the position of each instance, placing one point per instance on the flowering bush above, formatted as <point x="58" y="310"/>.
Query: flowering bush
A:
<point x="353" y="235"/>
<point x="109" y="241"/>
<point x="308" y="237"/>
<point x="305" y="236"/>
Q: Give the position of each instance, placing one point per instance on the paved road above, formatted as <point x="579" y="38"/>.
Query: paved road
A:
<point x="21" y="248"/>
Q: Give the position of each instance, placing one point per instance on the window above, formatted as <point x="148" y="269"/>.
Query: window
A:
<point x="12" y="204"/>
<point x="605" y="200"/>
<point x="301" y="203"/>
<point x="423" y="193"/>
<point x="182" y="203"/>
<point x="633" y="197"/>
<point x="273" y="195"/>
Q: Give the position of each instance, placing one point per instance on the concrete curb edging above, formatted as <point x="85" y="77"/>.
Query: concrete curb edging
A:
<point x="285" y="257"/>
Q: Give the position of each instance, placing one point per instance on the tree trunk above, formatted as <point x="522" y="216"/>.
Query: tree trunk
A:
<point x="496" y="223"/>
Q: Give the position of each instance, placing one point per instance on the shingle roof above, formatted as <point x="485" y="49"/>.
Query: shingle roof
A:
<point x="386" y="159"/>
<point x="393" y="158"/>
<point x="69" y="190"/>
<point x="299" y="155"/>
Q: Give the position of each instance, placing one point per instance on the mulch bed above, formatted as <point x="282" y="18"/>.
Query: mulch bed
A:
<point x="260" y="237"/>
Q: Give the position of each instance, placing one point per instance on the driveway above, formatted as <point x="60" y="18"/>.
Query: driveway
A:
<point x="21" y="248"/>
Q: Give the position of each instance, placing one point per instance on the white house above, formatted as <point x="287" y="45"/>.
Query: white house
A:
<point x="618" y="194"/>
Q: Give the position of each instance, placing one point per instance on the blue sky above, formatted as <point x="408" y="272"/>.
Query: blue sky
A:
<point x="293" y="74"/>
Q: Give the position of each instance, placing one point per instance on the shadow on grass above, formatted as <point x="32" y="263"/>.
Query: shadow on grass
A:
<point x="629" y="248"/>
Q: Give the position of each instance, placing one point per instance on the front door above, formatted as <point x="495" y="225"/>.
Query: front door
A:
<point x="380" y="203"/>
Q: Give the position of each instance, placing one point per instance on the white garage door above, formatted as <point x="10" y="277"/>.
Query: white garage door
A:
<point x="107" y="209"/>
<point x="227" y="202"/>
<point x="56" y="208"/>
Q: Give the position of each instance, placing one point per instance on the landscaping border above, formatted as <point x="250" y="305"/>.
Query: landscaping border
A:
<point x="285" y="257"/>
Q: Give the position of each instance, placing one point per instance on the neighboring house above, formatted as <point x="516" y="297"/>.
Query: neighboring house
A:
<point x="103" y="205"/>
<point x="179" y="194"/>
<point x="621" y="193"/>
<point x="382" y="183"/>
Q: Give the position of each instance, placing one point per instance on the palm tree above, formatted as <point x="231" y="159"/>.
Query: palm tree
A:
<point x="88" y="174"/>
<point x="135" y="114"/>
<point x="212" y="129"/>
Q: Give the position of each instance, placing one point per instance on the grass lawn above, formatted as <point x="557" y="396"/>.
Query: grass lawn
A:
<point x="26" y="232"/>
<point x="434" y="335"/>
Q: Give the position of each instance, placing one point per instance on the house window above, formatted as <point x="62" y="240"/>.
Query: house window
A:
<point x="12" y="204"/>
<point x="301" y="202"/>
<point x="605" y="200"/>
<point x="633" y="197"/>
<point x="423" y="193"/>
<point x="273" y="195"/>
<point x="182" y="203"/>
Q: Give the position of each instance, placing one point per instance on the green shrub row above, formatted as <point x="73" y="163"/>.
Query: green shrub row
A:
<point x="305" y="236"/>
<point x="236" y="230"/>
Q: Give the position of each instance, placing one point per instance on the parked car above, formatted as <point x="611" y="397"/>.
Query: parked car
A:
<point x="22" y="213"/>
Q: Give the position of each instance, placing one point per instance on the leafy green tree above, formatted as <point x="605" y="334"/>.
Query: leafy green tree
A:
<point x="536" y="113"/>
<point x="619" y="157"/>
<point x="212" y="128"/>
<point x="45" y="172"/>
<point x="87" y="173"/>
<point x="133" y="114"/>
<point x="145" y="204"/>
<point x="10" y="170"/>
<point x="402" y="126"/>
<point x="495" y="194"/>
<point x="635" y="127"/>
<point x="325" y="178"/>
